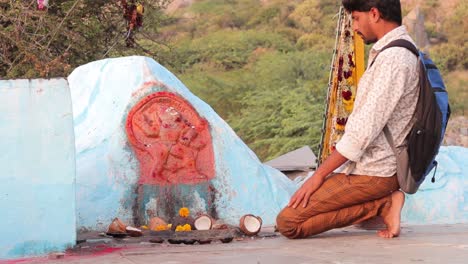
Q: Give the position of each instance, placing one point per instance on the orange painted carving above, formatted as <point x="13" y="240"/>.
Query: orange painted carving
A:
<point x="171" y="141"/>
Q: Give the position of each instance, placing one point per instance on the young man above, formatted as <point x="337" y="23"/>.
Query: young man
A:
<point x="386" y="95"/>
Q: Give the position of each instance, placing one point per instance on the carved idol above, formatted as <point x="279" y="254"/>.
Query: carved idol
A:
<point x="171" y="141"/>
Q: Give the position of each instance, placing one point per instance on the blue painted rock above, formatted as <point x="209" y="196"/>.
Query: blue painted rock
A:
<point x="109" y="168"/>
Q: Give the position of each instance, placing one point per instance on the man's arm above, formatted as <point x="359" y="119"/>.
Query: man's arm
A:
<point x="303" y="194"/>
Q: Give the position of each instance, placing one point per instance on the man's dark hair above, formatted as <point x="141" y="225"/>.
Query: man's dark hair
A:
<point x="390" y="10"/>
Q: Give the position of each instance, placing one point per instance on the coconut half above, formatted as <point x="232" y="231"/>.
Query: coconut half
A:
<point x="250" y="224"/>
<point x="133" y="231"/>
<point x="116" y="227"/>
<point x="203" y="222"/>
<point x="155" y="222"/>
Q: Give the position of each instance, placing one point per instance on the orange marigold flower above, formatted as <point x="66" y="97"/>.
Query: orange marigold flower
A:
<point x="187" y="227"/>
<point x="184" y="212"/>
<point x="179" y="228"/>
<point x="161" y="228"/>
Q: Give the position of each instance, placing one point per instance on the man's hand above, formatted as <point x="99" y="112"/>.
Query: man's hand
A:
<point x="307" y="189"/>
<point x="303" y="194"/>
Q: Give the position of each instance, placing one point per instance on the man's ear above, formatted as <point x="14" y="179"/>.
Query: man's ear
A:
<point x="374" y="14"/>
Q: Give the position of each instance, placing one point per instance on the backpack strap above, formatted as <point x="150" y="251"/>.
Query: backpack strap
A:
<point x="403" y="43"/>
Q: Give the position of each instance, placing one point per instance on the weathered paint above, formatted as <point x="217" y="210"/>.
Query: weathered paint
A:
<point x="103" y="93"/>
<point x="446" y="200"/>
<point x="37" y="187"/>
<point x="173" y="146"/>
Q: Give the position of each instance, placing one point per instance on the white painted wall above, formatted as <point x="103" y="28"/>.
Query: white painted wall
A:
<point x="37" y="162"/>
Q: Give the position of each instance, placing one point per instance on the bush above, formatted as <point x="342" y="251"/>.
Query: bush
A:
<point x="265" y="16"/>
<point x="458" y="94"/>
<point x="307" y="15"/>
<point x="450" y="57"/>
<point x="229" y="49"/>
<point x="455" y="27"/>
<point x="315" y="41"/>
<point x="283" y="106"/>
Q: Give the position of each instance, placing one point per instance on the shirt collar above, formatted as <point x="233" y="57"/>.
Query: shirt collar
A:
<point x="394" y="34"/>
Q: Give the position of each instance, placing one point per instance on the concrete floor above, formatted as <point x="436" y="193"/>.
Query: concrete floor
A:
<point x="417" y="244"/>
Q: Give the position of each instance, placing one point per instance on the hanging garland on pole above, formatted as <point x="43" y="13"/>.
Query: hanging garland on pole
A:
<point x="346" y="70"/>
<point x="133" y="14"/>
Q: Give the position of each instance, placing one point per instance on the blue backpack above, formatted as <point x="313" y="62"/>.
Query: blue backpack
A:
<point x="416" y="158"/>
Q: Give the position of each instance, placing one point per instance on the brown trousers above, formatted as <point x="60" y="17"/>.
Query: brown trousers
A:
<point x="342" y="200"/>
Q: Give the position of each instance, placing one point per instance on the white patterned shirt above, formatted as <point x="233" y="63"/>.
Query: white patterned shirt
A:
<point x="387" y="94"/>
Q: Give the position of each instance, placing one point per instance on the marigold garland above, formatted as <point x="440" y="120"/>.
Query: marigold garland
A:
<point x="161" y="228"/>
<point x="345" y="88"/>
<point x="347" y="69"/>
<point x="184" y="212"/>
<point x="183" y="228"/>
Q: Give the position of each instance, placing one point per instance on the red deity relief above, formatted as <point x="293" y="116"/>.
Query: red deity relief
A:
<point x="171" y="141"/>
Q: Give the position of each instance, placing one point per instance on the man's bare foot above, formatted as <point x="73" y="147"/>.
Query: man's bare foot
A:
<point x="392" y="218"/>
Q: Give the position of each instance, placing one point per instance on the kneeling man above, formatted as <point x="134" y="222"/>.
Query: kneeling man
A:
<point x="386" y="95"/>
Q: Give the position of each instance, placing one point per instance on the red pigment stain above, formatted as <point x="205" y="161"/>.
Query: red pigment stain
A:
<point x="104" y="250"/>
<point x="171" y="141"/>
<point x="97" y="251"/>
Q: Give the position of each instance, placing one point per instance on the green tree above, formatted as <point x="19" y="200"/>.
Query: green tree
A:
<point x="283" y="108"/>
<point x="266" y="75"/>
<point x="308" y="15"/>
<point x="69" y="33"/>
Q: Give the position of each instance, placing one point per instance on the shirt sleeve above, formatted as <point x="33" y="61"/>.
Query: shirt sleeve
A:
<point x="387" y="83"/>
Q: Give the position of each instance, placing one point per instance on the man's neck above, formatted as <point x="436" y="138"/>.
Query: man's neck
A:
<point x="385" y="28"/>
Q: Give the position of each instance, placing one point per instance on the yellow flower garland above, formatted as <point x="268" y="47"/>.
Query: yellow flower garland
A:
<point x="348" y="67"/>
<point x="183" y="228"/>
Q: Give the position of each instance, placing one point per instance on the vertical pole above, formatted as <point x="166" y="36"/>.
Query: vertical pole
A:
<point x="324" y="140"/>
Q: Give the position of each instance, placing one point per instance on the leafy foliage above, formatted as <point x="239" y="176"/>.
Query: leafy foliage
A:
<point x="50" y="43"/>
<point x="228" y="49"/>
<point x="458" y="94"/>
<point x="262" y="65"/>
<point x="260" y="68"/>
<point x="451" y="54"/>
